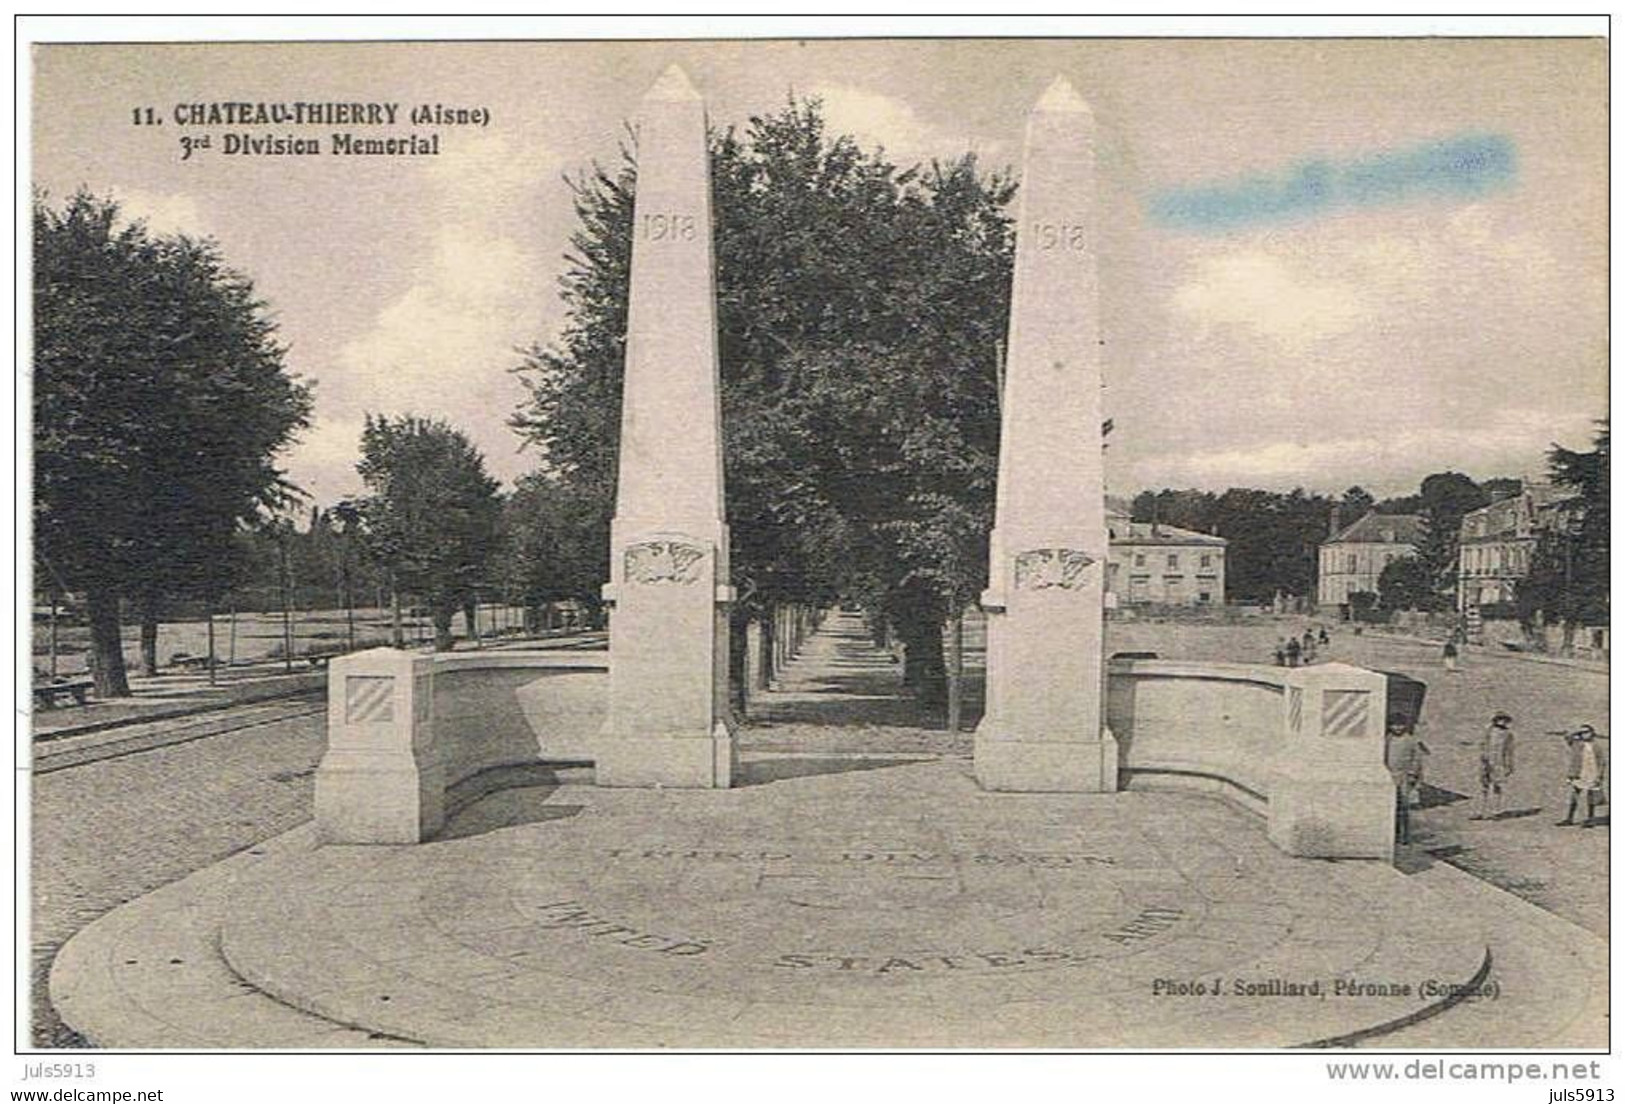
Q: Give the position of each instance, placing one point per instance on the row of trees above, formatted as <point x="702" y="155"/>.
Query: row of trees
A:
<point x="1275" y="536"/>
<point x="160" y="399"/>
<point x="861" y="306"/>
<point x="860" y="399"/>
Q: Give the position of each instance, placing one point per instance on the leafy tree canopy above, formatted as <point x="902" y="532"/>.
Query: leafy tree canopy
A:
<point x="861" y="306"/>
<point x="1405" y="584"/>
<point x="161" y="400"/>
<point x="431" y="513"/>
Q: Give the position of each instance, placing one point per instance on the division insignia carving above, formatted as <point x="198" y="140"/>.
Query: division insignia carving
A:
<point x="663" y="561"/>
<point x="1043" y="568"/>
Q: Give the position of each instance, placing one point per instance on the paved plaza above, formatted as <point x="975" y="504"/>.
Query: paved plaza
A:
<point x="845" y="893"/>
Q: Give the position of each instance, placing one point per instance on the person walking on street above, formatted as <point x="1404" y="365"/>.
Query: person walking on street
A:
<point x="1450" y="653"/>
<point x="1308" y="647"/>
<point x="1293" y="651"/>
<point x="1280" y="651"/>
<point x="1325" y="639"/>
<point x="1404" y="755"/>
<point x="1494" y="765"/>
<point x="1587" y="773"/>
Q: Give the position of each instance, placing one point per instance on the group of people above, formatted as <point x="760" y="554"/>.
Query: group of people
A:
<point x="1291" y="651"/>
<point x="1586" y="770"/>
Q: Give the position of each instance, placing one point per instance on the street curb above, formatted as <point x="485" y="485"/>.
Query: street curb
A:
<point x="1596" y="667"/>
<point x="180" y="712"/>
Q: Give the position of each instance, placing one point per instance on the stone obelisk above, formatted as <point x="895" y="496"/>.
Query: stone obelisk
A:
<point x="1043" y="729"/>
<point x="668" y="722"/>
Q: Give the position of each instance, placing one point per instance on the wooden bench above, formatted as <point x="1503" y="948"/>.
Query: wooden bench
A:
<point x="47" y="693"/>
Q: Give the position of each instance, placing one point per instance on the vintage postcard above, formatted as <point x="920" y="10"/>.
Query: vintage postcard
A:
<point x="842" y="543"/>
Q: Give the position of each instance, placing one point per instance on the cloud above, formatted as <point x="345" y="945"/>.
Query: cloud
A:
<point x="164" y="214"/>
<point x="1364" y="350"/>
<point x="876" y="119"/>
<point x="1504" y="442"/>
<point x="1266" y="297"/>
<point x="443" y="347"/>
<point x="488" y="167"/>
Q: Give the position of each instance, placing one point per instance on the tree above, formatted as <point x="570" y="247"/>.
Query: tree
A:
<point x="1446" y="497"/>
<point x="161" y="401"/>
<point x="1355" y="504"/>
<point x="858" y="368"/>
<point x="1363" y="606"/>
<point x="1407" y="584"/>
<point x="432" y="512"/>
<point x="1568" y="577"/>
<point x="557" y="542"/>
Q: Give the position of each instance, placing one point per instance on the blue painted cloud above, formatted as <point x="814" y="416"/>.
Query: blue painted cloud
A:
<point x="1464" y="167"/>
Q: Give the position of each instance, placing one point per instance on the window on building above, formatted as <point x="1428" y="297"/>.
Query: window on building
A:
<point x="1205" y="596"/>
<point x="1173" y="559"/>
<point x="1352" y="564"/>
<point x="1207" y="559"/>
<point x="1139" y="559"/>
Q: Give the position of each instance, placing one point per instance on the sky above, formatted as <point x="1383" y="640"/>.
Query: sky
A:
<point x="1316" y="346"/>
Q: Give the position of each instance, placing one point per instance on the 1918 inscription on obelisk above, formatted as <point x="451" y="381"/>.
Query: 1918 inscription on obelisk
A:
<point x="1043" y="727"/>
<point x="668" y="708"/>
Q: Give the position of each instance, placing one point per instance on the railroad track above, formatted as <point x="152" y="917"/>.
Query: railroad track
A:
<point x="78" y="751"/>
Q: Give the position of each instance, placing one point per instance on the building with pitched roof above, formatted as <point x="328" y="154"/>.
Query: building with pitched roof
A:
<point x="1156" y="564"/>
<point x="1498" y="541"/>
<point x="1352" y="559"/>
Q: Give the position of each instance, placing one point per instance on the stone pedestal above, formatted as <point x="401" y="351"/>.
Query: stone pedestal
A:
<point x="1331" y="795"/>
<point x="1043" y="729"/>
<point x="381" y="779"/>
<point x="668" y="712"/>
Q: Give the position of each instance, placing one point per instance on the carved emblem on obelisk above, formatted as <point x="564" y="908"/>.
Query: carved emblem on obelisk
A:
<point x="1043" y="568"/>
<point x="663" y="561"/>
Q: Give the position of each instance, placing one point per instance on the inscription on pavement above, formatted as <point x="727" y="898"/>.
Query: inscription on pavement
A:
<point x="574" y="917"/>
<point x="558" y="915"/>
<point x="868" y="858"/>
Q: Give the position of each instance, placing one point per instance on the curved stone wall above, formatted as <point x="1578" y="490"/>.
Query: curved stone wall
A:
<point x="1301" y="746"/>
<point x="498" y="708"/>
<point x="1212" y="727"/>
<point x="403" y="728"/>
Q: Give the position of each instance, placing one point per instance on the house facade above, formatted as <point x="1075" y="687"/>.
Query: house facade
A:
<point x="1155" y="564"/>
<point x="1498" y="542"/>
<point x="1351" y="561"/>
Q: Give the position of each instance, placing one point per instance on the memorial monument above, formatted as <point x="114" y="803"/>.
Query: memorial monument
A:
<point x="668" y="721"/>
<point x="1043" y="727"/>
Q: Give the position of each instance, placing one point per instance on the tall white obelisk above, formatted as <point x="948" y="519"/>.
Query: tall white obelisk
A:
<point x="668" y="721"/>
<point x="1043" y="729"/>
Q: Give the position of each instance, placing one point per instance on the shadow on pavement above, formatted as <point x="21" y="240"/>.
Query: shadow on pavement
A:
<point x="1428" y="797"/>
<point x="763" y="771"/>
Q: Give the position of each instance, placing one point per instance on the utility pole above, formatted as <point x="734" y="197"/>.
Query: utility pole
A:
<point x="344" y="585"/>
<point x="397" y="635"/>
<point x="287" y="611"/>
<point x="211" y="642"/>
<point x="53" y="631"/>
<point x="956" y="665"/>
